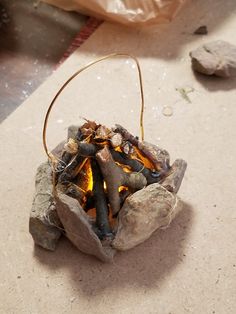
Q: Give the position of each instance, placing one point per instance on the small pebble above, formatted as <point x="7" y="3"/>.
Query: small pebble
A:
<point x="167" y="111"/>
<point x="202" y="30"/>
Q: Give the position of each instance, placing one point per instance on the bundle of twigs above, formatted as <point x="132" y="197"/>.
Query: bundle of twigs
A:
<point x="101" y="167"/>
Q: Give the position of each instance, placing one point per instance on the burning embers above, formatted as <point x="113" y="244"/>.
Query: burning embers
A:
<point x="112" y="191"/>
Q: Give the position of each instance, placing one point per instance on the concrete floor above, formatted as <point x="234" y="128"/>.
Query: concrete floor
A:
<point x="189" y="268"/>
<point x="34" y="38"/>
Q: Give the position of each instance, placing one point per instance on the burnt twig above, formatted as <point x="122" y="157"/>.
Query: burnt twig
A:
<point x="87" y="149"/>
<point x="115" y="177"/>
<point x="100" y="201"/>
<point x="137" y="166"/>
<point x="160" y="158"/>
<point x="72" y="167"/>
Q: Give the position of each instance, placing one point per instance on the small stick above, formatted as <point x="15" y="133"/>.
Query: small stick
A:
<point x="100" y="201"/>
<point x="159" y="157"/>
<point x="87" y="149"/>
<point x="90" y="201"/>
<point x="137" y="166"/>
<point x="70" y="172"/>
<point x="115" y="177"/>
<point x="77" y="162"/>
<point x="64" y="161"/>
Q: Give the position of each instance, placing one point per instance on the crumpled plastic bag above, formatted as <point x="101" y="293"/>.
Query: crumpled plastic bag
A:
<point x="129" y="12"/>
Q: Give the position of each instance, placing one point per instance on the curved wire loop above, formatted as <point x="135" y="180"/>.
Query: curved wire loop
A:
<point x="50" y="156"/>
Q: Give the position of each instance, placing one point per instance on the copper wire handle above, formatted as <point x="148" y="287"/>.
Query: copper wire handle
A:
<point x="77" y="73"/>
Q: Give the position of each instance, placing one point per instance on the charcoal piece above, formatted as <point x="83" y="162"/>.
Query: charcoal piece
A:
<point x="101" y="204"/>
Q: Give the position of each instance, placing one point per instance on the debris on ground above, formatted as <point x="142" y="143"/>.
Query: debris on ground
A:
<point x="184" y="91"/>
<point x="202" y="30"/>
<point x="167" y="111"/>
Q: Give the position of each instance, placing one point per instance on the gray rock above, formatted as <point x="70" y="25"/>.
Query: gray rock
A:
<point x="44" y="221"/>
<point x="143" y="213"/>
<point x="173" y="181"/>
<point x="202" y="30"/>
<point x="78" y="227"/>
<point x="215" y="58"/>
<point x="72" y="131"/>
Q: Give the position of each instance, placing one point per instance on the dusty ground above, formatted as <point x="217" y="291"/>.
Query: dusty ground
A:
<point x="191" y="266"/>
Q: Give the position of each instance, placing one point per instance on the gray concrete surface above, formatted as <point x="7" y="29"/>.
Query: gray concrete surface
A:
<point x="34" y="38"/>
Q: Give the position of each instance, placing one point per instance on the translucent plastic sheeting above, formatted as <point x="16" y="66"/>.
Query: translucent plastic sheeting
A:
<point x="129" y="12"/>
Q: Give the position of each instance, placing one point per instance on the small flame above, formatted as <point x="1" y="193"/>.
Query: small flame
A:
<point x="125" y="168"/>
<point x="90" y="176"/>
<point x="143" y="159"/>
<point x="104" y="185"/>
<point x="122" y="188"/>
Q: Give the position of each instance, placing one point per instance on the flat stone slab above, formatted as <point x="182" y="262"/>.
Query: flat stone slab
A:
<point x="78" y="229"/>
<point x="44" y="221"/>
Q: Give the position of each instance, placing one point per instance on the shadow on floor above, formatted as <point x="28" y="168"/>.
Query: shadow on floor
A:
<point x="148" y="265"/>
<point x="213" y="83"/>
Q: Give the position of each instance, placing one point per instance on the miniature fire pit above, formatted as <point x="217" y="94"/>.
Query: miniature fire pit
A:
<point x="104" y="189"/>
<point x="113" y="191"/>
